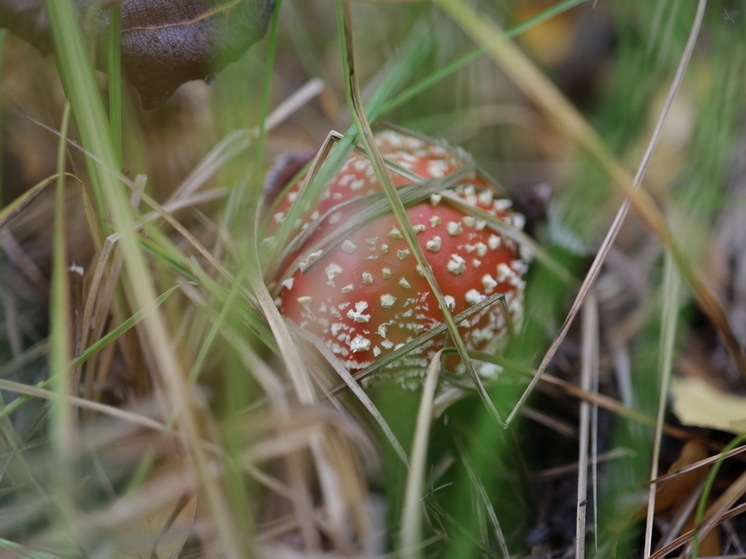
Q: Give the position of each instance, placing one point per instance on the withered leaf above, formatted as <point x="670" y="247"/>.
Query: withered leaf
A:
<point x="164" y="42"/>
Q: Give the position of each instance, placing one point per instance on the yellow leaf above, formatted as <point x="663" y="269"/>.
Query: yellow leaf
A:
<point x="696" y="402"/>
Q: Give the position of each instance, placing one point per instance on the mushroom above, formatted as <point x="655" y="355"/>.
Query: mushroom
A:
<point x="359" y="288"/>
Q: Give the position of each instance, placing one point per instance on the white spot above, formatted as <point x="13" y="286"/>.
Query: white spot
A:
<point x="387" y="300"/>
<point x="332" y="271"/>
<point x="387" y="344"/>
<point x="385" y="248"/>
<point x="504" y="272"/>
<point x="489" y="370"/>
<point x="480" y="225"/>
<point x="347" y="288"/>
<point x="310" y="259"/>
<point x="358" y="314"/>
<point x="288" y="283"/>
<point x="358" y="184"/>
<point x="450" y="302"/>
<point x="435" y="199"/>
<point x="419" y="228"/>
<point x="345" y="180"/>
<point x="75" y="269"/>
<point x="335" y="218"/>
<point x="336" y="328"/>
<point x="367" y="278"/>
<point x="376" y="351"/>
<point x="386" y="273"/>
<point x="485" y="197"/>
<point x="476" y="262"/>
<point x="456" y="265"/>
<point x="382" y="332"/>
<point x="402" y="254"/>
<point x="395" y="233"/>
<point x="437" y="168"/>
<point x="469" y="220"/>
<point x="339" y="350"/>
<point x="519" y="266"/>
<point x="420" y="271"/>
<point x="494" y="242"/>
<point x="454" y="228"/>
<point x="305" y="301"/>
<point x="525" y="252"/>
<point x="404" y="283"/>
<point x="359" y="343"/>
<point x="502" y="204"/>
<point x="278" y="217"/>
<point x="434" y="244"/>
<point x="348" y="246"/>
<point x="481" y="249"/>
<point x="489" y="283"/>
<point x="435" y="220"/>
<point x="518" y="221"/>
<point x="473" y="297"/>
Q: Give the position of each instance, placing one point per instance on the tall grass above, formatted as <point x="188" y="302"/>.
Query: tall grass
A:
<point x="182" y="416"/>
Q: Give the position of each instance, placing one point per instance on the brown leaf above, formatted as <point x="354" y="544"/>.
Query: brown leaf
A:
<point x="165" y="42"/>
<point x="674" y="492"/>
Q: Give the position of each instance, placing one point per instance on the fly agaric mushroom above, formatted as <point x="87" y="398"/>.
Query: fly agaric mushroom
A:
<point x="360" y="290"/>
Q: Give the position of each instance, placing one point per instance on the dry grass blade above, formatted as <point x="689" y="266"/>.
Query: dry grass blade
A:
<point x="13" y="209"/>
<point x="703" y="463"/>
<point x="719" y="510"/>
<point x="118" y="413"/>
<point x="111" y="201"/>
<point x="589" y="369"/>
<point x="397" y="207"/>
<point x="483" y="500"/>
<point x="546" y="95"/>
<point x="239" y="141"/>
<point x="669" y="318"/>
<point x="722" y="516"/>
<point x="351" y="383"/>
<point x="410" y="534"/>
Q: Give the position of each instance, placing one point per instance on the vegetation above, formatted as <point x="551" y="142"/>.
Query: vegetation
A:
<point x="153" y="402"/>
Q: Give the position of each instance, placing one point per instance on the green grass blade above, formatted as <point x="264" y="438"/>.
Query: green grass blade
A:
<point x="62" y="424"/>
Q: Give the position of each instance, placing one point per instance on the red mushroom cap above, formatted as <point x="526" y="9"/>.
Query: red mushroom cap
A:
<point x="365" y="296"/>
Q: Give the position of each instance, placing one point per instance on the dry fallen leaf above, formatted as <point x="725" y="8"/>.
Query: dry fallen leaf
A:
<point x="673" y="494"/>
<point x="696" y="402"/>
